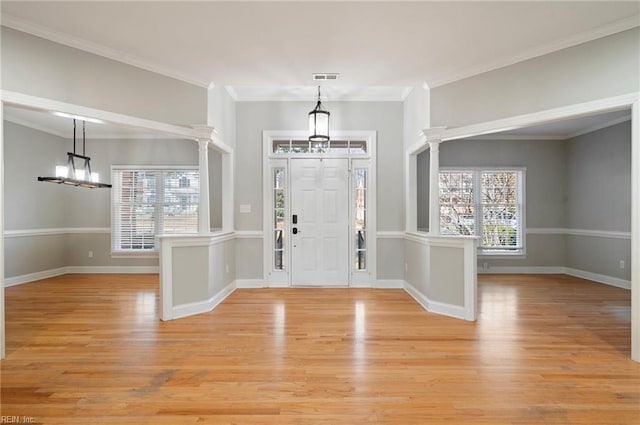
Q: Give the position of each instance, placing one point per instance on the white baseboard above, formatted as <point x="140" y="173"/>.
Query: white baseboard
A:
<point x="607" y="280"/>
<point x="249" y="283"/>
<point x="45" y="274"/>
<point x="276" y="285"/>
<point x="191" y="309"/>
<point x="444" y="309"/>
<point x="389" y="284"/>
<point x="417" y="295"/>
<point x="600" y="278"/>
<point x="113" y="269"/>
<point x="450" y="310"/>
<point x="522" y="270"/>
<point x="31" y="277"/>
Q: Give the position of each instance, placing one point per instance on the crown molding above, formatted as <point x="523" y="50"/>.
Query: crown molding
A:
<point x="242" y="93"/>
<point x="574" y="40"/>
<point x="97" y="49"/>
<point x="231" y="92"/>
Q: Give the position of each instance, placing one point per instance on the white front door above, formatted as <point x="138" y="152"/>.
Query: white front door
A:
<point x="319" y="222"/>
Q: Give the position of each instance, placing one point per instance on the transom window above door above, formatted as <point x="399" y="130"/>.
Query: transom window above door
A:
<point x="342" y="147"/>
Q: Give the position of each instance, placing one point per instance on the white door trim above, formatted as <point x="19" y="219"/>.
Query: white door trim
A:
<point x="274" y="278"/>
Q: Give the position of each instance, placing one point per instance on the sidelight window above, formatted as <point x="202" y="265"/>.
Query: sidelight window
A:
<point x="360" y="218"/>
<point x="279" y="212"/>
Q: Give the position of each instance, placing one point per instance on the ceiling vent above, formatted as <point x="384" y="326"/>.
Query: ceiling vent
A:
<point x="325" y="76"/>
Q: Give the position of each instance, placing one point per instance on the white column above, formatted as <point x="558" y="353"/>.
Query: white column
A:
<point x="204" y="226"/>
<point x="227" y="192"/>
<point x="411" y="192"/>
<point x="434" y="187"/>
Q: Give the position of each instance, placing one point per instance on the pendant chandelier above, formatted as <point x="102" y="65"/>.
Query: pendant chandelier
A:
<point x="319" y="123"/>
<point x="73" y="176"/>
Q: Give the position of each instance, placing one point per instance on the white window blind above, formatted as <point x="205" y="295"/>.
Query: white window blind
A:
<point x="149" y="202"/>
<point x="486" y="203"/>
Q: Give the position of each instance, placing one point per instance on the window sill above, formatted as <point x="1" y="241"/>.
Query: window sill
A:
<point x="515" y="255"/>
<point x="153" y="254"/>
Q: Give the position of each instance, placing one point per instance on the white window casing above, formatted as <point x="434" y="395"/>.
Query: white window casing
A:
<point x="485" y="202"/>
<point x="150" y="201"/>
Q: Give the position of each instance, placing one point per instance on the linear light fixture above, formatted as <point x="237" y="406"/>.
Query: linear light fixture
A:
<point x="73" y="176"/>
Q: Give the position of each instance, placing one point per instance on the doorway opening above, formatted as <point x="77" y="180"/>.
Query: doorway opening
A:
<point x="319" y="210"/>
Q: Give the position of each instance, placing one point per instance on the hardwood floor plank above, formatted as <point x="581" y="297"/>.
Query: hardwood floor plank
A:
<point x="545" y="349"/>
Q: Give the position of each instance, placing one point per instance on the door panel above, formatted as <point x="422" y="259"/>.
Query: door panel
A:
<point x="319" y="196"/>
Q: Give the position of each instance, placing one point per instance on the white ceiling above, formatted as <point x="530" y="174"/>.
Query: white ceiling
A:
<point x="264" y="50"/>
<point x="268" y="50"/>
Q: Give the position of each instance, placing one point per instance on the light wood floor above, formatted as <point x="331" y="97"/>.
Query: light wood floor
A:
<point x="545" y="350"/>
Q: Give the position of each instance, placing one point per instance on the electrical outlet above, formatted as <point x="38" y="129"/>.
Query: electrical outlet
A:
<point x="90" y="254"/>
<point x="622" y="264"/>
<point x="226" y="267"/>
<point x="406" y="267"/>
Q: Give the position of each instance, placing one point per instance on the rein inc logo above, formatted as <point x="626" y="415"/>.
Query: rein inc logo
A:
<point x="17" y="420"/>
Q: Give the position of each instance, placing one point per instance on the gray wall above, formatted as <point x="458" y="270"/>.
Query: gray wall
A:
<point x="545" y="177"/>
<point x="384" y="117"/>
<point x="599" y="198"/>
<point x="221" y="114"/>
<point x="254" y="117"/>
<point x="30" y="204"/>
<point x="598" y="172"/>
<point x="416" y="115"/>
<point x="38" y="67"/>
<point x="583" y="183"/>
<point x="595" y="70"/>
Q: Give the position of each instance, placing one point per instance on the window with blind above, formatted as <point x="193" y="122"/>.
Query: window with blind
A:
<point x="487" y="203"/>
<point x="150" y="201"/>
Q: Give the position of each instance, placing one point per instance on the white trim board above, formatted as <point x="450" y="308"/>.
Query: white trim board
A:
<point x="578" y="232"/>
<point x="191" y="309"/>
<point x="450" y="310"/>
<point x="595" y="277"/>
<point x="550" y="115"/>
<point x="45" y="274"/>
<point x="55" y="231"/>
